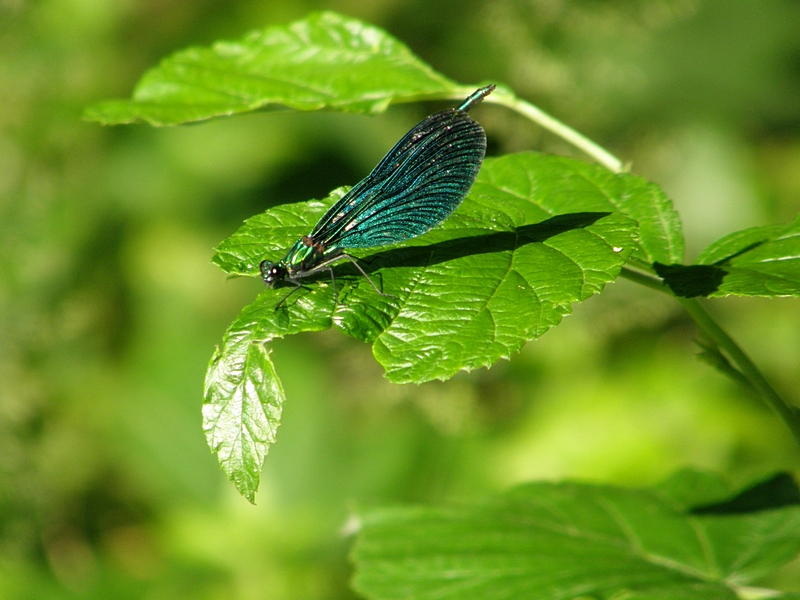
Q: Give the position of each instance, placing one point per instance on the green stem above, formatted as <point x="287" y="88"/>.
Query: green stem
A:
<point x="642" y="265"/>
<point x="598" y="153"/>
<point x="655" y="283"/>
<point x="790" y="414"/>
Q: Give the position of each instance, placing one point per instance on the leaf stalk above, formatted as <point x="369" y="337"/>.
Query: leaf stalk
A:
<point x="789" y="413"/>
<point x="505" y="98"/>
<point x="647" y="280"/>
<point x="753" y="378"/>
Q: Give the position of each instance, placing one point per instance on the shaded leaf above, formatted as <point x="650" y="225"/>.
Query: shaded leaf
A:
<point x="690" y="281"/>
<point x="774" y="492"/>
<point x="569" y="540"/>
<point x="323" y="61"/>
<point x="760" y="261"/>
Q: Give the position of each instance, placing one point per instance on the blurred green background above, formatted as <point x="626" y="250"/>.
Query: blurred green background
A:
<point x="110" y="308"/>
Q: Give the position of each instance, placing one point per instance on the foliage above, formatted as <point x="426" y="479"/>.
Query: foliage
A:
<point x="536" y="234"/>
<point x="320" y="62"/>
<point x="570" y="540"/>
<point x="760" y="261"/>
<point x="448" y="307"/>
<point x="109" y="306"/>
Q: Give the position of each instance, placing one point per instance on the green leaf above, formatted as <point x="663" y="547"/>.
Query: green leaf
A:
<point x="323" y="61"/>
<point x="702" y="492"/>
<point x="776" y="491"/>
<point x="567" y="540"/>
<point x="567" y="185"/>
<point x="243" y="394"/>
<point x="689" y="488"/>
<point x="760" y="261"/>
<point x="690" y="281"/>
<point x="499" y="272"/>
<point x="270" y="234"/>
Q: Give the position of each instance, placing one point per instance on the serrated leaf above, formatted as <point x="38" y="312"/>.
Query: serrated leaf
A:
<point x="555" y="541"/>
<point x="500" y="272"/>
<point x="474" y="300"/>
<point x="568" y="185"/>
<point x="760" y="261"/>
<point x="323" y="61"/>
<point x="270" y="234"/>
<point x="243" y="394"/>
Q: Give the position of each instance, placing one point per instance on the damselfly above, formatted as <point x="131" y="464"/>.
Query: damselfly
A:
<point x="416" y="186"/>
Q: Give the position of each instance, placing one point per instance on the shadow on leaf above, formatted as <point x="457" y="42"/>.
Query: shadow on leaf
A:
<point x="776" y="492"/>
<point x="501" y="241"/>
<point x="690" y="281"/>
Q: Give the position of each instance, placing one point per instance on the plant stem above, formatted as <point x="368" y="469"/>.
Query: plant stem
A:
<point x="642" y="265"/>
<point x="535" y="114"/>
<point x="655" y="283"/>
<point x="790" y="414"/>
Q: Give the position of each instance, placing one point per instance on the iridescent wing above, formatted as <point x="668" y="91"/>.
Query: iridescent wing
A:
<point x="416" y="186"/>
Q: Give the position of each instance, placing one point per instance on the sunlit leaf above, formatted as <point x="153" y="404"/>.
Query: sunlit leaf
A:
<point x="760" y="261"/>
<point x="566" y="185"/>
<point x="569" y="540"/>
<point x="243" y="394"/>
<point x="323" y="61"/>
<point x="502" y="270"/>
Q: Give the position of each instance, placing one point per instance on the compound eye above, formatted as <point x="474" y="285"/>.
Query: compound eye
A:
<point x="264" y="267"/>
<point x="271" y="272"/>
<point x="267" y="271"/>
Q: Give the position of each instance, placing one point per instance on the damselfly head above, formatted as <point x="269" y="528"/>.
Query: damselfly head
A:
<point x="271" y="273"/>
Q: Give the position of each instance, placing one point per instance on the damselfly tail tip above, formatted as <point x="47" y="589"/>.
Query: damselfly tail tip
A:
<point x="476" y="96"/>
